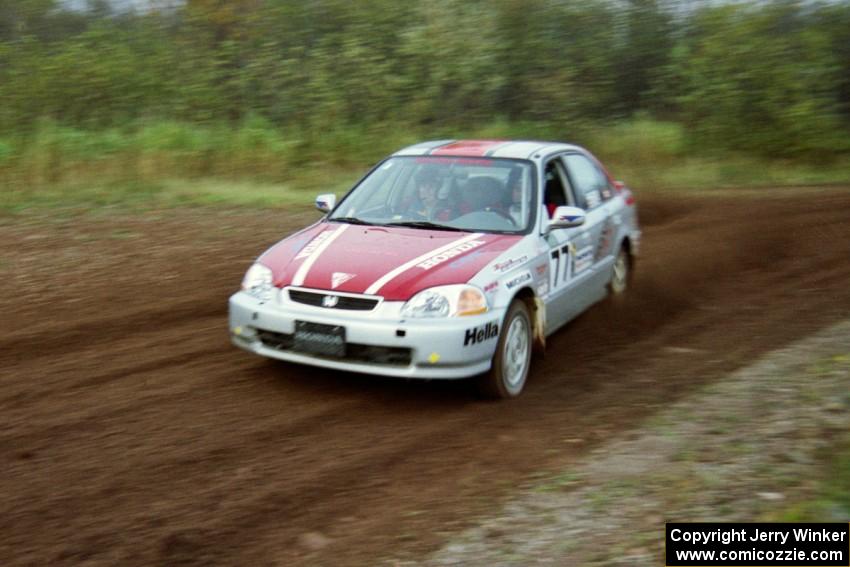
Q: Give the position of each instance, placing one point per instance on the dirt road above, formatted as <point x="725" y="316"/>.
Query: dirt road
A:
<point x="131" y="432"/>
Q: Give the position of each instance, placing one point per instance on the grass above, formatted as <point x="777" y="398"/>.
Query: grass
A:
<point x="239" y="193"/>
<point x="831" y="501"/>
<point x="170" y="163"/>
<point x="706" y="173"/>
<point x="166" y="193"/>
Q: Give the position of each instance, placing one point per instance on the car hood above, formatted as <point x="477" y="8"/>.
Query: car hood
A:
<point x="393" y="262"/>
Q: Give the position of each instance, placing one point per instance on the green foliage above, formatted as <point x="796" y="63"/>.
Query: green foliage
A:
<point x="638" y="140"/>
<point x="175" y="137"/>
<point x="762" y="79"/>
<point x="256" y="89"/>
<point x="6" y="151"/>
<point x="254" y="163"/>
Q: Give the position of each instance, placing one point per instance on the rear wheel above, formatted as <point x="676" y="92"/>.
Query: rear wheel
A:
<point x="506" y="377"/>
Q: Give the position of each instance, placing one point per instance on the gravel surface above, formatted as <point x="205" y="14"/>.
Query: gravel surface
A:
<point x="737" y="450"/>
<point x="134" y="433"/>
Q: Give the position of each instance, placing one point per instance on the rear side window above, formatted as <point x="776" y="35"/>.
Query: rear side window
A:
<point x="590" y="184"/>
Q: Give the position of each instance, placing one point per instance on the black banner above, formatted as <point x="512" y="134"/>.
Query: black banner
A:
<point x="758" y="544"/>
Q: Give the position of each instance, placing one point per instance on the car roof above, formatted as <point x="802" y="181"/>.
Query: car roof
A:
<point x="516" y="149"/>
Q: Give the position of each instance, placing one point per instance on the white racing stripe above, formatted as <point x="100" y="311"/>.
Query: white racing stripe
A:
<point x="380" y="282"/>
<point x="301" y="274"/>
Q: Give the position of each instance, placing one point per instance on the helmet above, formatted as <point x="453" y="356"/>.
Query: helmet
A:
<point x="428" y="176"/>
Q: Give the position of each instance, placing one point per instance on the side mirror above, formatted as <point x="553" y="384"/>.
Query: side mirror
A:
<point x="326" y="202"/>
<point x="566" y="217"/>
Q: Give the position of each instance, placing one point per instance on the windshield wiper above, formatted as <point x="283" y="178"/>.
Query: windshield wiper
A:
<point x="426" y="224"/>
<point x="351" y="220"/>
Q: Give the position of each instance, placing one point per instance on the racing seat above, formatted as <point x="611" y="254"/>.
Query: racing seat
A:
<point x="553" y="195"/>
<point x="482" y="193"/>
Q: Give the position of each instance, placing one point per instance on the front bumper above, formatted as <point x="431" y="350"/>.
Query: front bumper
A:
<point x="378" y="341"/>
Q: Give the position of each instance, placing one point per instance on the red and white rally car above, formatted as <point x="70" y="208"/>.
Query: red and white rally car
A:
<point x="450" y="259"/>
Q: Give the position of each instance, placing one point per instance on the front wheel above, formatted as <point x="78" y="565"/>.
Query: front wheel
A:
<point x="506" y="377"/>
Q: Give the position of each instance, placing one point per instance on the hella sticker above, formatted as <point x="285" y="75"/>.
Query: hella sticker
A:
<point x="478" y="335"/>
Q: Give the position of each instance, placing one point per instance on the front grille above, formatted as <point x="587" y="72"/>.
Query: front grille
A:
<point x="342" y="301"/>
<point x="354" y="352"/>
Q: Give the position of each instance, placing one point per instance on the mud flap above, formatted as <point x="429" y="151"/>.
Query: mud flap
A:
<point x="539" y="333"/>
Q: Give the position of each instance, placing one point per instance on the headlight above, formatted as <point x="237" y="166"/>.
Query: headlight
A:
<point x="446" y="301"/>
<point x="258" y="282"/>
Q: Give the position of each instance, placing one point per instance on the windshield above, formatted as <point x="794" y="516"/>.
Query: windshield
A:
<point x="450" y="193"/>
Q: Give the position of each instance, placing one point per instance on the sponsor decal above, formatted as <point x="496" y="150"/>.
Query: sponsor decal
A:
<point x="438" y="259"/>
<point x="291" y="245"/>
<point x="389" y="276"/>
<point x="434" y="358"/>
<point x="508" y="264"/>
<point x="314" y="244"/>
<point x="480" y="334"/>
<point x="315" y="337"/>
<point x="541" y="269"/>
<point x="491" y="287"/>
<point x="583" y="259"/>
<point x="313" y="250"/>
<point x="518" y="280"/>
<point x="339" y="278"/>
<point x="559" y="266"/>
<point x="543" y="287"/>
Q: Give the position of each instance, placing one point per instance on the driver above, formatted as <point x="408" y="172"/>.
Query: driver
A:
<point x="427" y="205"/>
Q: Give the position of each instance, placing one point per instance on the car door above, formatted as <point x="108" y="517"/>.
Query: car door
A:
<point x="570" y="251"/>
<point x="593" y="193"/>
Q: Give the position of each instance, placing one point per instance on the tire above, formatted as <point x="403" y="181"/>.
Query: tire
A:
<point x="509" y="372"/>
<point x="621" y="274"/>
